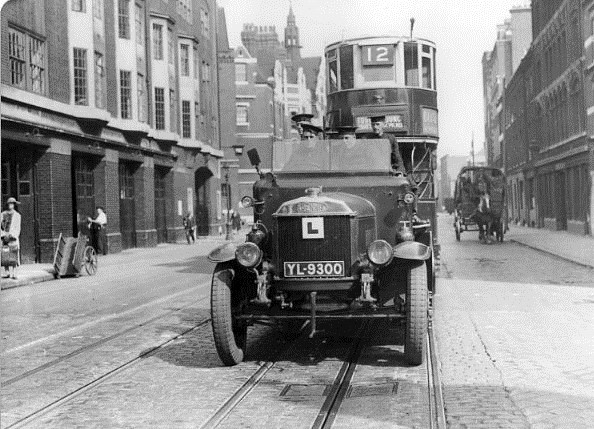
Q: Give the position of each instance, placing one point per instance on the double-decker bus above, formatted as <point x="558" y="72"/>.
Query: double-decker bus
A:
<point x="392" y="77"/>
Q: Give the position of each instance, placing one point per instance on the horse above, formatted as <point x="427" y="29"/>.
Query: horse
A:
<point x="484" y="218"/>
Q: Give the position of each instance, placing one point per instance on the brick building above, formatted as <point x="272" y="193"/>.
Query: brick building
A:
<point x="110" y="103"/>
<point x="546" y="140"/>
<point x="513" y="39"/>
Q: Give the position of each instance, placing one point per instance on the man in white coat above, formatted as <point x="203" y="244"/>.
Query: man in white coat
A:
<point x="10" y="232"/>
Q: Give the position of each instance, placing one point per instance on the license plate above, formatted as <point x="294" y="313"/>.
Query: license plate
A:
<point x="314" y="269"/>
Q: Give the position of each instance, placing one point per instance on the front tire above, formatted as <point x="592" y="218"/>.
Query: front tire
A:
<point x="416" y="315"/>
<point x="230" y="334"/>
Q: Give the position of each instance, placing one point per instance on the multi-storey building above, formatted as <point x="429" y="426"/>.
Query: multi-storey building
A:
<point x="110" y="103"/>
<point x="301" y="87"/>
<point x="588" y="37"/>
<point x="513" y="40"/>
<point x="546" y="141"/>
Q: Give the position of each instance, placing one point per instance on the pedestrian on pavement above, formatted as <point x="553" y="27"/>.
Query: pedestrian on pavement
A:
<point x="99" y="231"/>
<point x="188" y="222"/>
<point x="236" y="220"/>
<point x="10" y="232"/>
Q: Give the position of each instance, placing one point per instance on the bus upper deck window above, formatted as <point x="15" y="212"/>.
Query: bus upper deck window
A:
<point x="411" y="64"/>
<point x="332" y="71"/>
<point x="426" y="67"/>
<point x="347" y="78"/>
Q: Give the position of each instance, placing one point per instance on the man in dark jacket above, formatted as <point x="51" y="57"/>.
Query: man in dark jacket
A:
<point x="378" y="124"/>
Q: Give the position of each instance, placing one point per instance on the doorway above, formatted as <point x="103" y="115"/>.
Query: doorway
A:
<point x="202" y="177"/>
<point x="161" y="204"/>
<point x="127" y="205"/>
<point x="19" y="177"/>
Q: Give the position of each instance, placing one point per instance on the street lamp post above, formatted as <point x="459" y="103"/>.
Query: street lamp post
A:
<point x="228" y="217"/>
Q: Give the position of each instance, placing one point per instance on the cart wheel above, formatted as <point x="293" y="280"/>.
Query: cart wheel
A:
<point x="90" y="261"/>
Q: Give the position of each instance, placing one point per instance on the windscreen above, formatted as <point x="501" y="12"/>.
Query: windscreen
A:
<point x="338" y="155"/>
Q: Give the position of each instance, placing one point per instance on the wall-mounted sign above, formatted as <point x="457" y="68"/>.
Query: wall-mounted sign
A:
<point x="377" y="55"/>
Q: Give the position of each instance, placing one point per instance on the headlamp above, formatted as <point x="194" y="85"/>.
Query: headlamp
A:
<point x="409" y="198"/>
<point x="380" y="252"/>
<point x="246" y="202"/>
<point x="248" y="254"/>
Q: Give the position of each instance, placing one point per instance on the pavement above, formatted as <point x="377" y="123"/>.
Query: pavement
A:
<point x="571" y="247"/>
<point x="28" y="274"/>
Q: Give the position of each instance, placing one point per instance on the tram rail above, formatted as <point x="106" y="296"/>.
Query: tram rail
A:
<point x="337" y="391"/>
<point x="32" y="417"/>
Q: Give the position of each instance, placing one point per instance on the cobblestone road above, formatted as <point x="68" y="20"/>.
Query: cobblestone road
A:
<point x="515" y="333"/>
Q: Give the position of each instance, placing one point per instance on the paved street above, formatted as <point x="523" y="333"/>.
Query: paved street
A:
<point x="132" y="347"/>
<point x="515" y="330"/>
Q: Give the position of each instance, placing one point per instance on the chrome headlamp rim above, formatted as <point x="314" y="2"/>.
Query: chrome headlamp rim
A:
<point x="409" y="198"/>
<point x="246" y="202"/>
<point x="374" y="248"/>
<point x="248" y="255"/>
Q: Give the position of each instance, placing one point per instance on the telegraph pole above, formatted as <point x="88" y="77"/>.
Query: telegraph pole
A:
<point x="472" y="148"/>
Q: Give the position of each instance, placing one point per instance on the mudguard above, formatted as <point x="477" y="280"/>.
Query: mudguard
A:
<point x="412" y="250"/>
<point x="223" y="253"/>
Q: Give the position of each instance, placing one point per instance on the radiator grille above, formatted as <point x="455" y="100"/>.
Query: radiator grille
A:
<point x="335" y="246"/>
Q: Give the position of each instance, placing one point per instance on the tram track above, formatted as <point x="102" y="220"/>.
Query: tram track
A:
<point x="97" y="344"/>
<point x="32" y="417"/>
<point x="338" y="390"/>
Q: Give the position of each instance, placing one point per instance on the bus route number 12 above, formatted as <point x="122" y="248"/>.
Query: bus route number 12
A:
<point x="378" y="55"/>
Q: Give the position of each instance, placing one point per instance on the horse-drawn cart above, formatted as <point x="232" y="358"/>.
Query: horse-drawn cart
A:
<point x="479" y="200"/>
<point x="72" y="255"/>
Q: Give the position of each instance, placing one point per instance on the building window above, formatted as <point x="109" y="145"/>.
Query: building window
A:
<point x="205" y="72"/>
<point x="186" y="120"/>
<point x="125" y="94"/>
<point x="197" y="119"/>
<point x="80" y="77"/>
<point x="124" y="18"/>
<point x="204" y="23"/>
<point x="242" y="114"/>
<point x="141" y="89"/>
<point x="36" y="65"/>
<point x="196" y="64"/>
<point x="157" y="41"/>
<point x="98" y="9"/>
<point x="184" y="59"/>
<point x="172" y="111"/>
<point x="184" y="9"/>
<point x="160" y="108"/>
<point x="170" y="46"/>
<point x="139" y="18"/>
<point x="16" y="49"/>
<point x="240" y="72"/>
<point x="99" y="76"/>
<point x="27" y="61"/>
<point x="79" y="5"/>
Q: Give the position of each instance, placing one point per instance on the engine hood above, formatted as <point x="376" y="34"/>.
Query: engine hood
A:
<point x="327" y="204"/>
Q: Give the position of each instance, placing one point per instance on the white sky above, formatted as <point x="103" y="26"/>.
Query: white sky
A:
<point x="462" y="30"/>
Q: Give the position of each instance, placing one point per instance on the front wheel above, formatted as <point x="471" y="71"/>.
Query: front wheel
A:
<point x="90" y="261"/>
<point x="416" y="315"/>
<point x="230" y="334"/>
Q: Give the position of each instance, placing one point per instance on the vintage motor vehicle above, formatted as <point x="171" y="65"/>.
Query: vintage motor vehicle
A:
<point x="335" y="236"/>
